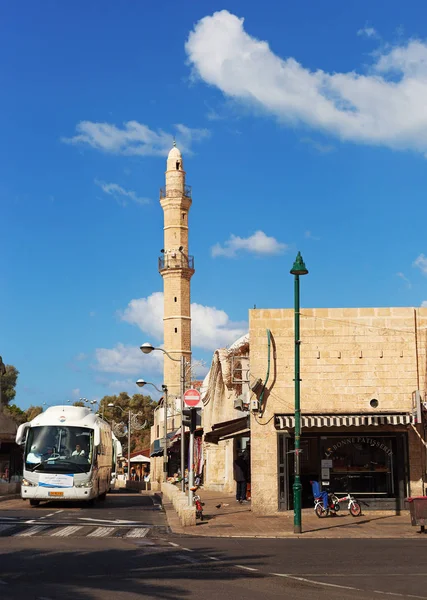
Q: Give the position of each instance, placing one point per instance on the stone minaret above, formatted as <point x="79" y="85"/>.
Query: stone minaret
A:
<point x="176" y="267"/>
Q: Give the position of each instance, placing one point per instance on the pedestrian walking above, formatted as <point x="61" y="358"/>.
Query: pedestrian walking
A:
<point x="240" y="477"/>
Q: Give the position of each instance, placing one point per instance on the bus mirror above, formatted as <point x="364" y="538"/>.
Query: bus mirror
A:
<point x="21" y="434"/>
<point x="97" y="437"/>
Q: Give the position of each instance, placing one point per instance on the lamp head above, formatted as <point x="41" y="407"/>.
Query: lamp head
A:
<point x="110" y="405"/>
<point x="140" y="383"/>
<point x="146" y="348"/>
<point x="165" y="388"/>
<point x="299" y="267"/>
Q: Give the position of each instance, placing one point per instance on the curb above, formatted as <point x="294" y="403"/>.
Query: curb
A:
<point x="9" y="497"/>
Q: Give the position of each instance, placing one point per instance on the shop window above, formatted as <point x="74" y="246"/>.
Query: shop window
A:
<point x="362" y="465"/>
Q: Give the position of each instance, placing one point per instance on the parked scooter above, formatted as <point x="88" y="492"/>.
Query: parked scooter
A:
<point x="326" y="503"/>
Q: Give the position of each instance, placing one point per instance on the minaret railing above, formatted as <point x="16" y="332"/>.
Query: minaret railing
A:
<point x="165" y="193"/>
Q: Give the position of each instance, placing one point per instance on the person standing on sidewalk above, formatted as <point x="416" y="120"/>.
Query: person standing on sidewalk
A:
<point x="240" y="477"/>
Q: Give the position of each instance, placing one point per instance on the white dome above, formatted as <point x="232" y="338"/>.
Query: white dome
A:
<point x="174" y="153"/>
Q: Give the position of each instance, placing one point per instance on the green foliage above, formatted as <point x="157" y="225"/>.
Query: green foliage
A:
<point x="138" y="403"/>
<point x="22" y="416"/>
<point x="79" y="403"/>
<point x="7" y="385"/>
<point x="32" y="412"/>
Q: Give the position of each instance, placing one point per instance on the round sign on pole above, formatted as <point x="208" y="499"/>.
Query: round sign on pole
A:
<point x="192" y="398"/>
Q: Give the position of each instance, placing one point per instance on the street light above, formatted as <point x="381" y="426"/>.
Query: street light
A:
<point x="298" y="269"/>
<point x="111" y="405"/>
<point x="147" y="348"/>
<point x="140" y="383"/>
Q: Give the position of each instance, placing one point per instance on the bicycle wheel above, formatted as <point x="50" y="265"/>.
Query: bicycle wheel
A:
<point x="321" y="511"/>
<point x="355" y="509"/>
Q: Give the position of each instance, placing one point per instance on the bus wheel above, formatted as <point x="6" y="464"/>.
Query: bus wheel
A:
<point x="91" y="502"/>
<point x="34" y="502"/>
<point x="103" y="496"/>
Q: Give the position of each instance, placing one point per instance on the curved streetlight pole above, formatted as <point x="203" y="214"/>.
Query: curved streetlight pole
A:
<point x="298" y="269"/>
<point x="140" y="383"/>
<point x="111" y="405"/>
<point x="147" y="348"/>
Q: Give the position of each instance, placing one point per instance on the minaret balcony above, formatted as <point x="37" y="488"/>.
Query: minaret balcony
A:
<point x="176" y="261"/>
<point x="165" y="193"/>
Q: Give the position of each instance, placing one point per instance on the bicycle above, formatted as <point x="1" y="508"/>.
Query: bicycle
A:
<point x="197" y="501"/>
<point x="334" y="501"/>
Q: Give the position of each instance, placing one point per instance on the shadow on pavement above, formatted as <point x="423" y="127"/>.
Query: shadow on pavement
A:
<point x="159" y="572"/>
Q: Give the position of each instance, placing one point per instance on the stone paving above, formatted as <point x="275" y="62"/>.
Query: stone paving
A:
<point x="224" y="517"/>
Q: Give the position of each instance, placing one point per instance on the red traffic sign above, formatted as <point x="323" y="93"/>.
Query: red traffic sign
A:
<point x="192" y="398"/>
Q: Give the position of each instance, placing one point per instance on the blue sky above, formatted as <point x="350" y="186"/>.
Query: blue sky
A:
<point x="303" y="127"/>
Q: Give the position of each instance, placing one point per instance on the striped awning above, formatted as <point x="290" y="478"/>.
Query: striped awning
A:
<point x="288" y="421"/>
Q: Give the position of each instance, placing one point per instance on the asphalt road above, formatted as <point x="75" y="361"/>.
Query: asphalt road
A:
<point x="64" y="558"/>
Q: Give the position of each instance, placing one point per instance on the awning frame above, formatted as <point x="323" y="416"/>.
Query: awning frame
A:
<point x="308" y="421"/>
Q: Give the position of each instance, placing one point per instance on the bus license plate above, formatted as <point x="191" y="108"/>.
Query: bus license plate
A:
<point x="56" y="493"/>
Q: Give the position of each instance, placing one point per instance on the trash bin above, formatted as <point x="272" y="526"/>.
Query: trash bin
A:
<point x="418" y="508"/>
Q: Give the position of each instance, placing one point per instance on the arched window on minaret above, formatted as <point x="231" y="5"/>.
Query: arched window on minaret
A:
<point x="178" y="164"/>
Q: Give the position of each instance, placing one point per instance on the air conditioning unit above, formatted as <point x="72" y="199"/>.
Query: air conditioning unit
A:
<point x="254" y="405"/>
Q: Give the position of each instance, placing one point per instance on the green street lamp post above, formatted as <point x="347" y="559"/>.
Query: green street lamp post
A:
<point x="298" y="269"/>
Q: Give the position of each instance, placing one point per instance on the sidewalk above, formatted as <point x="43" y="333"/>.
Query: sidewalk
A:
<point x="232" y="519"/>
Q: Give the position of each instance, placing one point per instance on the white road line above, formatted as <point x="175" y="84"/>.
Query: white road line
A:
<point x="31" y="531"/>
<point x="186" y="549"/>
<point x="58" y="511"/>
<point x="213" y="558"/>
<point x="50" y="515"/>
<point x="138" y="532"/>
<point x="172" y="544"/>
<point x="246" y="568"/>
<point x="66" y="531"/>
<point x="343" y="587"/>
<point x="102" y="532"/>
<point x="187" y="558"/>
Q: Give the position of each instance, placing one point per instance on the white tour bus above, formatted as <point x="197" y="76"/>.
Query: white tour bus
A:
<point x="68" y="455"/>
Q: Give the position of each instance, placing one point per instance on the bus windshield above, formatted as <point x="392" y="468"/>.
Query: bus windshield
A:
<point x="59" y="449"/>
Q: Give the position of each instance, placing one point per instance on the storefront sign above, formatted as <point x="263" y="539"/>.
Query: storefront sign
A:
<point x="373" y="442"/>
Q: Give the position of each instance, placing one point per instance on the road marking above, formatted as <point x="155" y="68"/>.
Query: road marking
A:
<point x="137" y="532"/>
<point x="246" y="568"/>
<point x="186" y="549"/>
<point x="189" y="559"/>
<point x="7" y="518"/>
<point x="31" y="531"/>
<point x="343" y="587"/>
<point x="6" y="527"/>
<point x="172" y="544"/>
<point x="102" y="532"/>
<point x="30" y="521"/>
<point x="67" y="531"/>
<point x="213" y="558"/>
<point x="113" y="522"/>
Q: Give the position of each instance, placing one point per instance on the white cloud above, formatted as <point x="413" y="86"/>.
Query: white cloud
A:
<point x="134" y="138"/>
<point x="80" y="356"/>
<point x="386" y="107"/>
<point x="258" y="243"/>
<point x="319" y="147"/>
<point x="120" y="194"/>
<point x="403" y="277"/>
<point x="421" y="263"/>
<point x="424" y="303"/>
<point x="76" y="394"/>
<point x="210" y="328"/>
<point x="127" y="360"/>
<point x="309" y="236"/>
<point x="367" y="31"/>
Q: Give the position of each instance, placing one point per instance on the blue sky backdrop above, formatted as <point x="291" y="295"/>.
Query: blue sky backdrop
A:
<point x="303" y="126"/>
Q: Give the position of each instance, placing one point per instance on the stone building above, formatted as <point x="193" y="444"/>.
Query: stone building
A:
<point x="176" y="267"/>
<point x="363" y="385"/>
<point x="226" y="396"/>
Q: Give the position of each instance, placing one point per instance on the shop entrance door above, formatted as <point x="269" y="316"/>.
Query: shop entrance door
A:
<point x="282" y="470"/>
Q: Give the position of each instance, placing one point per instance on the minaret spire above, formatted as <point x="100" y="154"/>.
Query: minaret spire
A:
<point x="176" y="267"/>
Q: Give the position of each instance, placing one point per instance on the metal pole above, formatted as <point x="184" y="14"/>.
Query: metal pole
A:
<point x="165" y="453"/>
<point x="190" y="466"/>
<point x="129" y="447"/>
<point x="182" y="424"/>
<point x="297" y="487"/>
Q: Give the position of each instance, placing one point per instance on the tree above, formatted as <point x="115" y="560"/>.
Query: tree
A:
<point x="7" y="384"/>
<point x="78" y="403"/>
<point x="139" y="404"/>
<point x="32" y="412"/>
